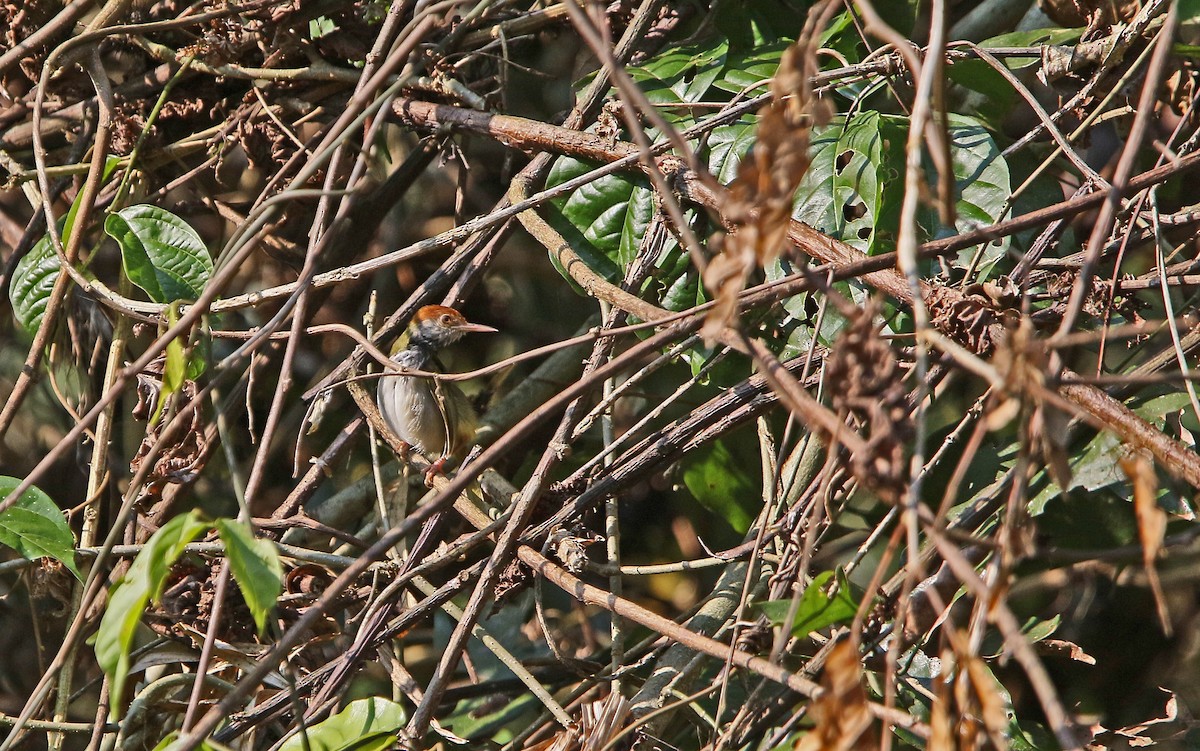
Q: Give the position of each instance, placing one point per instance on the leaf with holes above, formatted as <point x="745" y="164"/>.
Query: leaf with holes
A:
<point x="855" y="183"/>
<point x="162" y="254"/>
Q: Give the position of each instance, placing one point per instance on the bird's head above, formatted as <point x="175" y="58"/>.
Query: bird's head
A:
<point x="437" y="326"/>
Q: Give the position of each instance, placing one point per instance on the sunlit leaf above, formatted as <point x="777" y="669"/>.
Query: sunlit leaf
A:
<point x="35" y="526"/>
<point x="128" y="598"/>
<point x="162" y="254"/>
<point x="255" y="566"/>
<point x="365" y="725"/>
<point x="817" y="610"/>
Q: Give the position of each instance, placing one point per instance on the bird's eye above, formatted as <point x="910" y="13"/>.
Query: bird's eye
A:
<point x="445" y="319"/>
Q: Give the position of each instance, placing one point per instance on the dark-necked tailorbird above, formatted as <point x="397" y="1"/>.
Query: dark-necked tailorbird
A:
<point x="433" y="416"/>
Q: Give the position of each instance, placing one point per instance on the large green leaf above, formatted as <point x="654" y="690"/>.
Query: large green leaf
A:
<point x="36" y="273"/>
<point x="255" y="566"/>
<point x="854" y="184"/>
<point x="1097" y="465"/>
<point x="749" y="73"/>
<point x="853" y="189"/>
<point x="128" y="598"/>
<point x="161" y="253"/>
<point x="35" y="526"/>
<point x="982" y="186"/>
<point x="365" y="725"/>
<point x="32" y="281"/>
<point x="605" y="222"/>
<point x="682" y="74"/>
<point x="817" y="610"/>
<point x="726" y="484"/>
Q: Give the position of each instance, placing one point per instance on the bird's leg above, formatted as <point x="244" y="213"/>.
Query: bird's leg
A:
<point x="436" y="468"/>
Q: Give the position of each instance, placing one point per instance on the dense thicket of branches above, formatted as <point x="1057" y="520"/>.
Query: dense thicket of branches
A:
<point x="842" y="396"/>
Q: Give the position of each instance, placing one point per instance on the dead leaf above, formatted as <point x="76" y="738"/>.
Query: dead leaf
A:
<point x="1152" y="525"/>
<point x="992" y="705"/>
<point x="842" y="714"/>
<point x="758" y="210"/>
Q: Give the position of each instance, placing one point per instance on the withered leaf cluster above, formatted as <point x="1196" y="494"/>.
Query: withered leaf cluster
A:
<point x="758" y="209"/>
<point x="870" y="387"/>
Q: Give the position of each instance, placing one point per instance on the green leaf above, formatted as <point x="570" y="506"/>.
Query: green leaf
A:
<point x="1097" y="466"/>
<point x="1038" y="37"/>
<point x="128" y="598"/>
<point x="255" y="566"/>
<point x="32" y="281"/>
<point x="750" y="72"/>
<point x="1034" y="630"/>
<point x="982" y="186"/>
<point x="321" y="26"/>
<point x="176" y="368"/>
<point x="168" y="743"/>
<point x="35" y="526"/>
<point x="365" y="725"/>
<point x="750" y="25"/>
<point x="36" y="273"/>
<point x="605" y="222"/>
<point x="161" y="253"/>
<point x="727" y="145"/>
<point x="817" y="610"/>
<point x="726" y="484"/>
<point x="682" y="74"/>
<point x="849" y="191"/>
<point x="1189" y="11"/>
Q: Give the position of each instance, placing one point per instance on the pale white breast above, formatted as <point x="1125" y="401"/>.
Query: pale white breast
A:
<point x="411" y="409"/>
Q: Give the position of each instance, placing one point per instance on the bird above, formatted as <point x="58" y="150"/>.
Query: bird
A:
<point x="431" y="415"/>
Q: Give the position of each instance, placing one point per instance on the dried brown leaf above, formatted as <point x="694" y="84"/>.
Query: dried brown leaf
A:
<point x="941" y="728"/>
<point x="871" y="388"/>
<point x="759" y="207"/>
<point x="992" y="705"/>
<point x="842" y="713"/>
<point x="1062" y="647"/>
<point x="1152" y="525"/>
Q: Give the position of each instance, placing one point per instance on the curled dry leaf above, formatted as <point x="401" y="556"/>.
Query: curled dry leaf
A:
<point x="1062" y="647"/>
<point x="1169" y="730"/>
<point x="1022" y="359"/>
<point x="871" y="389"/>
<point x="842" y="713"/>
<point x="1096" y="15"/>
<point x="1152" y="525"/>
<point x="759" y="208"/>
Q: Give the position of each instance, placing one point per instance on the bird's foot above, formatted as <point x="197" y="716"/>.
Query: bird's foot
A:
<point x="436" y="468"/>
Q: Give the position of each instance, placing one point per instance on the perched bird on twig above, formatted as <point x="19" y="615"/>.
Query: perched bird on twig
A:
<point x="431" y="415"/>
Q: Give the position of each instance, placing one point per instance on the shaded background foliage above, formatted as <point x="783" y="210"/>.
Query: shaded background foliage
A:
<point x="212" y="119"/>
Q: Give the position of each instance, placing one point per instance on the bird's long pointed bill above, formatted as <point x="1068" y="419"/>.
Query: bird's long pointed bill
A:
<point x="477" y="328"/>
